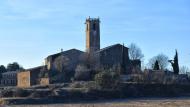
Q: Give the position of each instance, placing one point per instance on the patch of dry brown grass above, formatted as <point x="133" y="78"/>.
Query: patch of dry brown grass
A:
<point x="2" y="102"/>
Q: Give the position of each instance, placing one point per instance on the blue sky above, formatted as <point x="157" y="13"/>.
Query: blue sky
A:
<point x="30" y="30"/>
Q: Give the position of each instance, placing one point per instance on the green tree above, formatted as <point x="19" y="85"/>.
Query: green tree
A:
<point x="175" y="64"/>
<point x="162" y="61"/>
<point x="14" y="67"/>
<point x="156" y="65"/>
<point x="2" y="70"/>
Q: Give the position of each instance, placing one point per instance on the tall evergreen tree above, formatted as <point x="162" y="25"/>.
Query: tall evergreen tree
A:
<point x="156" y="65"/>
<point x="176" y="64"/>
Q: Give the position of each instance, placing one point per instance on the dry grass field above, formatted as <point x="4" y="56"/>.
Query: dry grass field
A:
<point x="175" y="102"/>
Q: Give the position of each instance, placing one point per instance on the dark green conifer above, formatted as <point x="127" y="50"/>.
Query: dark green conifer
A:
<point x="156" y="65"/>
<point x="176" y="64"/>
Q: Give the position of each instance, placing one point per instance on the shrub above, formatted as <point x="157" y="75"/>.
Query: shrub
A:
<point x="83" y="84"/>
<point x="82" y="73"/>
<point x="6" y="93"/>
<point x="91" y="85"/>
<point x="60" y="77"/>
<point x="41" y="94"/>
<point x="131" y="91"/>
<point x="75" y="94"/>
<point x="21" y="93"/>
<point x="107" y="80"/>
<point x="77" y="85"/>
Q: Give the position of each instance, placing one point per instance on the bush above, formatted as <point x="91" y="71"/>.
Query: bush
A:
<point x="91" y="85"/>
<point x="83" y="84"/>
<point x="14" y="93"/>
<point x="131" y="91"/>
<point x="75" y="94"/>
<point x="107" y="80"/>
<point x="6" y="93"/>
<point x="82" y="73"/>
<point x="60" y="77"/>
<point x="41" y="94"/>
<point x="21" y="93"/>
<point x="77" y="85"/>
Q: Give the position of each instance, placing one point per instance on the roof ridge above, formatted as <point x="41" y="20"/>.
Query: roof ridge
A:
<point x="65" y="52"/>
<point x="111" y="46"/>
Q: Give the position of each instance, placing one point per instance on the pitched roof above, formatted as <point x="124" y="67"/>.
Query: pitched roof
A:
<point x="64" y="52"/>
<point x="36" y="68"/>
<point x="103" y="49"/>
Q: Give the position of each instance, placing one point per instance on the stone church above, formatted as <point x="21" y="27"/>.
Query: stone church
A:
<point x="107" y="57"/>
<point x="116" y="54"/>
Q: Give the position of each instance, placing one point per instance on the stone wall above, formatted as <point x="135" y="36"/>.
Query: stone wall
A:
<point x="23" y="79"/>
<point x="113" y="56"/>
<point x="68" y="60"/>
<point x="44" y="81"/>
<point x="28" y="78"/>
<point x="92" y="35"/>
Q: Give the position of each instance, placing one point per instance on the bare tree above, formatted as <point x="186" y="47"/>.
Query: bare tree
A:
<point x="82" y="73"/>
<point x="135" y="52"/>
<point x="162" y="61"/>
<point x="90" y="60"/>
<point x="184" y="69"/>
<point x="62" y="69"/>
<point x="61" y="63"/>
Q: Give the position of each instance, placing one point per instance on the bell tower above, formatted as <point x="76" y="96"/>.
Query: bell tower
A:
<point x="92" y="35"/>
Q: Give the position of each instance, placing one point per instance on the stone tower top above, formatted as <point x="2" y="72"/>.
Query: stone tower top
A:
<point x="92" y="34"/>
<point x="93" y="19"/>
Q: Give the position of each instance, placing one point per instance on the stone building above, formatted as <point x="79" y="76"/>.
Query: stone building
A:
<point x="9" y="78"/>
<point x="30" y="77"/>
<point x="68" y="60"/>
<point x="113" y="55"/>
<point x="116" y="54"/>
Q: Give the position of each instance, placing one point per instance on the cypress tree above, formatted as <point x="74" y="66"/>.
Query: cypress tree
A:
<point x="176" y="64"/>
<point x="156" y="65"/>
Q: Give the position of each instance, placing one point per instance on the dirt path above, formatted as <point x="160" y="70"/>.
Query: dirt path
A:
<point x="175" y="102"/>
